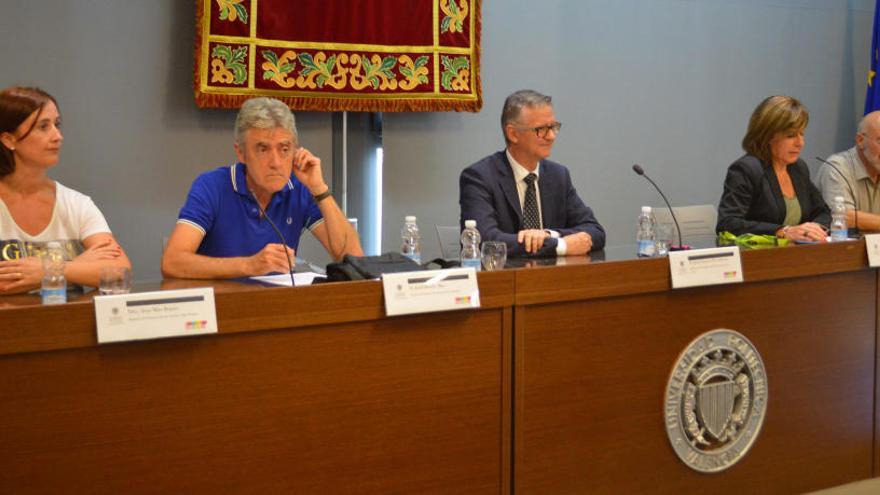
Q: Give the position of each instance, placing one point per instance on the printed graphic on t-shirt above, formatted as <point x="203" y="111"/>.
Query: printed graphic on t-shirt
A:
<point x="14" y="249"/>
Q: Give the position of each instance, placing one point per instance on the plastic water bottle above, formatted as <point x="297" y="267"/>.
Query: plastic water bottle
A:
<point x="54" y="286"/>
<point x="645" y="238"/>
<point x="410" y="240"/>
<point x="839" y="231"/>
<point x="470" y="245"/>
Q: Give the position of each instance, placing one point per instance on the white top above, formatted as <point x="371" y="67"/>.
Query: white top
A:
<point x="74" y="218"/>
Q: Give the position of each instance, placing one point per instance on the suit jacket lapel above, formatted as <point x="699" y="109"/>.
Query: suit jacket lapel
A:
<point x="546" y="185"/>
<point x="776" y="192"/>
<point x="508" y="185"/>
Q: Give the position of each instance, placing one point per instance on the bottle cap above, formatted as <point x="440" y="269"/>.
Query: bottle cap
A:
<point x="470" y="224"/>
<point x="646" y="209"/>
<point x="410" y="218"/>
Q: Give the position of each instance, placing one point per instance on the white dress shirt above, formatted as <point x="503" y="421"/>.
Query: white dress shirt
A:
<point x="519" y="174"/>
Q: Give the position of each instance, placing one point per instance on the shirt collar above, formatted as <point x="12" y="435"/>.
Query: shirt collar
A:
<point x="238" y="175"/>
<point x="520" y="172"/>
<point x="859" y="172"/>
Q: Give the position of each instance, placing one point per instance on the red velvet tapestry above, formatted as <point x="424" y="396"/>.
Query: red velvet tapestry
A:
<point x="333" y="55"/>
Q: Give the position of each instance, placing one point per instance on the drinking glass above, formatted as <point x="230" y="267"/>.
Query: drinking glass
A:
<point x="663" y="238"/>
<point x="114" y="280"/>
<point x="494" y="255"/>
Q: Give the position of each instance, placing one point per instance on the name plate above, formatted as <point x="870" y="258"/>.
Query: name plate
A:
<point x="155" y="315"/>
<point x="700" y="267"/>
<point x="430" y="290"/>
<point x="872" y="244"/>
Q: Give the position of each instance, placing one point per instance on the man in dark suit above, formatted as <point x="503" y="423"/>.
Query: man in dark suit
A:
<point x="519" y="197"/>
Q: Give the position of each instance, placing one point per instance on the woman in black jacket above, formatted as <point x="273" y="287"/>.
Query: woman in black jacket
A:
<point x="768" y="190"/>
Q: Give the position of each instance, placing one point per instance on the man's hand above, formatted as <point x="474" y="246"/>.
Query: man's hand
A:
<point x="532" y="239"/>
<point x="307" y="169"/>
<point x="272" y="258"/>
<point x="578" y="244"/>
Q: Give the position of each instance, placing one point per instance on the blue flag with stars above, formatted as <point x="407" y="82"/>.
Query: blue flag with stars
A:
<point x="872" y="99"/>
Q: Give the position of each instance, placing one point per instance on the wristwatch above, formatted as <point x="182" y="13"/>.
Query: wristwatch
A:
<point x="324" y="195"/>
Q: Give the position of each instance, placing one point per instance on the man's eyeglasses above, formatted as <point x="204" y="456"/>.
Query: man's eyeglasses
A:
<point x="544" y="130"/>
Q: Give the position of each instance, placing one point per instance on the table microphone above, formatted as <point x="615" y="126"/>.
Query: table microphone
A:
<point x="853" y="232"/>
<point x="280" y="236"/>
<point x="681" y="247"/>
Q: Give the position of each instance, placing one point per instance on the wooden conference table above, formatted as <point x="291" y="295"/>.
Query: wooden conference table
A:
<point x="555" y="385"/>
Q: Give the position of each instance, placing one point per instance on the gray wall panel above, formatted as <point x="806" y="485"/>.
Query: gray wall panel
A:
<point x="669" y="84"/>
<point x="133" y="137"/>
<point x="666" y="83"/>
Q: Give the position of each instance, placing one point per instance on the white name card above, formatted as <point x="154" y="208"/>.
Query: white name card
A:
<point x="154" y="315"/>
<point x="700" y="267"/>
<point x="430" y="290"/>
<point x="872" y="244"/>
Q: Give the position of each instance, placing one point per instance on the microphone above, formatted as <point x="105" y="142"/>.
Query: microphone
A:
<point x="853" y="232"/>
<point x="280" y="236"/>
<point x="640" y="171"/>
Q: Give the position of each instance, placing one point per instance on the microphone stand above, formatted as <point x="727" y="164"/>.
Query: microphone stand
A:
<point x="681" y="247"/>
<point x="280" y="236"/>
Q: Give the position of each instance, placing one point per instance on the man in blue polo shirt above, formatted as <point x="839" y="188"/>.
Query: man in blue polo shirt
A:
<point x="223" y="230"/>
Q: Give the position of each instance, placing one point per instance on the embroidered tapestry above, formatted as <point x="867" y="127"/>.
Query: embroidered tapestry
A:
<point x="334" y="55"/>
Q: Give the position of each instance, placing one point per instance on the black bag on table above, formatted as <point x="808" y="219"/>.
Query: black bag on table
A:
<point x="370" y="267"/>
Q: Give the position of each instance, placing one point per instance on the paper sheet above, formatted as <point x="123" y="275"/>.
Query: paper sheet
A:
<point x="305" y="278"/>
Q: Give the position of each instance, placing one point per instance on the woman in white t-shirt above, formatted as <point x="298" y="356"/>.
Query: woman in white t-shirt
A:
<point x="35" y="209"/>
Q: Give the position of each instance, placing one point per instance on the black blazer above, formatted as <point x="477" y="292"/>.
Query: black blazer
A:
<point x="487" y="194"/>
<point x="752" y="201"/>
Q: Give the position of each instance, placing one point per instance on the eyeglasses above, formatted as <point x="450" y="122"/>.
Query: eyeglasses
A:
<point x="544" y="130"/>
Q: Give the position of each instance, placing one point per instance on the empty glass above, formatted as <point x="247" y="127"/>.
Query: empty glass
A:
<point x="114" y="280"/>
<point x="663" y="236"/>
<point x="494" y="255"/>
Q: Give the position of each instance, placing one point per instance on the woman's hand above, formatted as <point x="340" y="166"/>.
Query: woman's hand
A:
<point x="805" y="232"/>
<point x="106" y="249"/>
<point x="21" y="275"/>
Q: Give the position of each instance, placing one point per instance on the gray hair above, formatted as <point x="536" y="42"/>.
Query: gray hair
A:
<point x="514" y="104"/>
<point x="263" y="113"/>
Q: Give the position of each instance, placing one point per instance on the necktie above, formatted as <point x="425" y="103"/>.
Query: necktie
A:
<point x="531" y="217"/>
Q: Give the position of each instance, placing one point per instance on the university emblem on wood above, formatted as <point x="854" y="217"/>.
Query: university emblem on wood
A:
<point x="715" y="401"/>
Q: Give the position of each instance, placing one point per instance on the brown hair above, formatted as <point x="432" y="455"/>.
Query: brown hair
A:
<point x="16" y="105"/>
<point x="773" y="115"/>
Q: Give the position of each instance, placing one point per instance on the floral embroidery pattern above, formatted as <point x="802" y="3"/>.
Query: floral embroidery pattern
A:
<point x="227" y="64"/>
<point x="320" y="70"/>
<point x="313" y="59"/>
<point x="415" y="72"/>
<point x="453" y="22"/>
<point x="277" y="69"/>
<point x="338" y="71"/>
<point x="230" y="10"/>
<point x="456" y="73"/>
<point x="377" y="72"/>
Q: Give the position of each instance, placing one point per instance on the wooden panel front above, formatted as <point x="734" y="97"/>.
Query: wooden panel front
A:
<point x="591" y="374"/>
<point x="405" y="405"/>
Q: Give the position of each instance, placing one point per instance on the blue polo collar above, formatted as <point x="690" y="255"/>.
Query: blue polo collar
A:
<point x="238" y="176"/>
